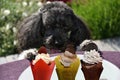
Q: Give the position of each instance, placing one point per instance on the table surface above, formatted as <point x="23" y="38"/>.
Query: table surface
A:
<point x="12" y="70"/>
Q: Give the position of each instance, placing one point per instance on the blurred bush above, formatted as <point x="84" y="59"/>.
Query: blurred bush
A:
<point x="102" y="17"/>
<point x="12" y="11"/>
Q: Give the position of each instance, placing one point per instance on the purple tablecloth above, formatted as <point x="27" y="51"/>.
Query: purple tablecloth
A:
<point x="12" y="71"/>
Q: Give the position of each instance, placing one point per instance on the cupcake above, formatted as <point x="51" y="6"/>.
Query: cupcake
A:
<point x="67" y="64"/>
<point x="42" y="66"/>
<point x="91" y="62"/>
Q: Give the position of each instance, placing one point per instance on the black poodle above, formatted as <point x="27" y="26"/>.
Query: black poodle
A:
<point x="54" y="26"/>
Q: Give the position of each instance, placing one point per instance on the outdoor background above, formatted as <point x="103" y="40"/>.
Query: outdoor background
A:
<point x="101" y="16"/>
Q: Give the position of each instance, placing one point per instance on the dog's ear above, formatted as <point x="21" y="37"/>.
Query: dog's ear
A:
<point x="79" y="32"/>
<point x="30" y="32"/>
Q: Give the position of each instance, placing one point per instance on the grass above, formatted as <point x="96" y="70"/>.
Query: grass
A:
<point x="102" y="17"/>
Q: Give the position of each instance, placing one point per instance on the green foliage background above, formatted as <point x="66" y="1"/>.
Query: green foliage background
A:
<point x="101" y="16"/>
<point x="18" y="10"/>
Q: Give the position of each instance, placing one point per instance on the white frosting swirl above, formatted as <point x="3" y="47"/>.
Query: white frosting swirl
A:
<point x="92" y="57"/>
<point x="67" y="58"/>
<point x="44" y="57"/>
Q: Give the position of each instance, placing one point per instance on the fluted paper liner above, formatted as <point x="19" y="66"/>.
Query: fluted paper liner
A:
<point x="41" y="70"/>
<point x="66" y="73"/>
<point x="92" y="72"/>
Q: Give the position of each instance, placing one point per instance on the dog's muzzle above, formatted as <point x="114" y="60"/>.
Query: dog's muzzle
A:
<point x="57" y="40"/>
<point x="51" y="42"/>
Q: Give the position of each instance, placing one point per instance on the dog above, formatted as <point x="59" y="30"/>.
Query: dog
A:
<point x="55" y="25"/>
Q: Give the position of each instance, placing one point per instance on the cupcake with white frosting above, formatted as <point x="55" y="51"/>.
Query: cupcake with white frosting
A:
<point x="67" y="64"/>
<point x="42" y="66"/>
<point x="91" y="62"/>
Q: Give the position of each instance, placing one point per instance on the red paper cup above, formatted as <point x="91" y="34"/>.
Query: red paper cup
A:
<point x="42" y="71"/>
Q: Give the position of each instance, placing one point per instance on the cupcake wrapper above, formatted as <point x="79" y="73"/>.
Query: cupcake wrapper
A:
<point x="92" y="72"/>
<point x="42" y="71"/>
<point x="66" y="73"/>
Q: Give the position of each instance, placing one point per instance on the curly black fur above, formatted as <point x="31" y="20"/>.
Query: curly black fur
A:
<point x="54" y="26"/>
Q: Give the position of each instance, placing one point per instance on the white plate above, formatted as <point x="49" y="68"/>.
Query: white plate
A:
<point x="110" y="72"/>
